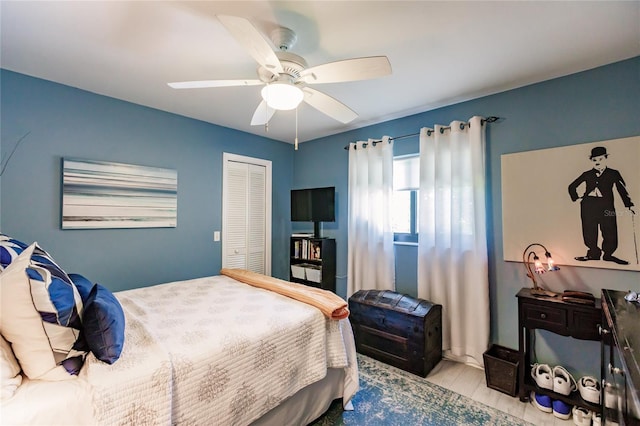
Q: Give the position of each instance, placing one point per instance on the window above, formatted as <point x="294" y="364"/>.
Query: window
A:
<point x="406" y="182"/>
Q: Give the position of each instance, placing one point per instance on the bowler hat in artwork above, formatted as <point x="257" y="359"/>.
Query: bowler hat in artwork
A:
<point x="598" y="151"/>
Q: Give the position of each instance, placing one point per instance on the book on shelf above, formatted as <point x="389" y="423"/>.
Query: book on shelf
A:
<point x="302" y="235"/>
<point x="314" y="252"/>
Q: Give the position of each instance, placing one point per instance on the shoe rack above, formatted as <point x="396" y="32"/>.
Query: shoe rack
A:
<point x="557" y="316"/>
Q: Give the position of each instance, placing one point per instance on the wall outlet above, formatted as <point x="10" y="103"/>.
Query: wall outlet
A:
<point x="216" y="235"/>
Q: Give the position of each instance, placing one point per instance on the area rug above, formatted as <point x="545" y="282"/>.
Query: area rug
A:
<point x="390" y="396"/>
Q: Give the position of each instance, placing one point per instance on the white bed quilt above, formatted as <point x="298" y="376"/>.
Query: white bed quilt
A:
<point x="232" y="351"/>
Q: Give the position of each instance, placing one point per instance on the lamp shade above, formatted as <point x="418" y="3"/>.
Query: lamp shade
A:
<point x="282" y="96"/>
<point x="538" y="268"/>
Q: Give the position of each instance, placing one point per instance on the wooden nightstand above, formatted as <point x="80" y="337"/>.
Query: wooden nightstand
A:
<point x="566" y="319"/>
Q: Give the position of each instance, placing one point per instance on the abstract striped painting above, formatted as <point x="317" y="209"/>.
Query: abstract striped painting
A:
<point x="98" y="194"/>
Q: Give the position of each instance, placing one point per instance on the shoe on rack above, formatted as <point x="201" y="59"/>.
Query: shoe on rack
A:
<point x="581" y="416"/>
<point x="562" y="410"/>
<point x="542" y="375"/>
<point x="563" y="381"/>
<point x="589" y="388"/>
<point x="596" y="419"/>
<point x="610" y="396"/>
<point x="541" y="402"/>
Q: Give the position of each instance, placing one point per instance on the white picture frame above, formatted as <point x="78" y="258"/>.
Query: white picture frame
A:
<point x="537" y="206"/>
<point x="100" y="194"/>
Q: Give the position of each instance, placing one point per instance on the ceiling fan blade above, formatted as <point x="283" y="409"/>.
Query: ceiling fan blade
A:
<point x="328" y="105"/>
<point x="348" y="70"/>
<point x="213" y="83"/>
<point x="252" y="40"/>
<point x="262" y="115"/>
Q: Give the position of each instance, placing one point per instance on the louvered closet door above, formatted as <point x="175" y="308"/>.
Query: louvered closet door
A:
<point x="256" y="219"/>
<point x="244" y="230"/>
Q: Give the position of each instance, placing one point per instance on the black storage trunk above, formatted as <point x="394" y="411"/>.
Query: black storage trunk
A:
<point x="397" y="329"/>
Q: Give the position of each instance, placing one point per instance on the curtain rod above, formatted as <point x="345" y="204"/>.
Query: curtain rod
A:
<point x="490" y="119"/>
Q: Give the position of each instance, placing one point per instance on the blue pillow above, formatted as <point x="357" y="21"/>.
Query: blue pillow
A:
<point x="9" y="250"/>
<point x="103" y="324"/>
<point x="83" y="285"/>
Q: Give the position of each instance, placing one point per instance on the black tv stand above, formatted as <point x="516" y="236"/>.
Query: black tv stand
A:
<point x="317" y="229"/>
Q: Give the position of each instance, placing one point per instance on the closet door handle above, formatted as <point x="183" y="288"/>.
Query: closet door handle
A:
<point x="543" y="316"/>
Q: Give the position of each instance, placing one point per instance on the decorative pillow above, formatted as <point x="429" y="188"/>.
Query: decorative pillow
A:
<point x="9" y="250"/>
<point x="103" y="322"/>
<point x="41" y="316"/>
<point x="83" y="285"/>
<point x="10" y="377"/>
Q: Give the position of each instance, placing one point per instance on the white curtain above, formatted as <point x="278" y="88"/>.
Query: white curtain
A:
<point x="371" y="262"/>
<point x="452" y="248"/>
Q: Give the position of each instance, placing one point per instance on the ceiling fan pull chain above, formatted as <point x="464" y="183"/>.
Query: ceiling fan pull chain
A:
<point x="295" y="141"/>
<point x="266" y="115"/>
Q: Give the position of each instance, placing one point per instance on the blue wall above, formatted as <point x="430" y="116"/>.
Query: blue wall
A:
<point x="599" y="104"/>
<point x="66" y="122"/>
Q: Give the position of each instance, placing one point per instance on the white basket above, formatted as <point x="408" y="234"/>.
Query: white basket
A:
<point x="314" y="274"/>
<point x="298" y="272"/>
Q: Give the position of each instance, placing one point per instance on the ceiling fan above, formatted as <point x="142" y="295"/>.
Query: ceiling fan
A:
<point x="285" y="75"/>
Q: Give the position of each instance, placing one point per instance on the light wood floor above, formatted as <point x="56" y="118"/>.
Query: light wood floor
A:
<point x="470" y="382"/>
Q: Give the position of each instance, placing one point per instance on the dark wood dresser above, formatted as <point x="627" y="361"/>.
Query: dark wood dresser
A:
<point x="397" y="329"/>
<point x="620" y="359"/>
<point x="555" y="315"/>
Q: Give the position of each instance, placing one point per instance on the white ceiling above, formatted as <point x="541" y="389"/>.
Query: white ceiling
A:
<point x="440" y="52"/>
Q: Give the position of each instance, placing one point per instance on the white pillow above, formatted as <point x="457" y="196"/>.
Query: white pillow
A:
<point x="40" y="346"/>
<point x="10" y="377"/>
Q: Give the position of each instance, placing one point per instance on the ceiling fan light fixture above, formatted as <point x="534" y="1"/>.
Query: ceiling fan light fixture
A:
<point x="282" y="96"/>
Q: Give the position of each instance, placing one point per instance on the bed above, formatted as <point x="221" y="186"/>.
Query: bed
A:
<point x="212" y="350"/>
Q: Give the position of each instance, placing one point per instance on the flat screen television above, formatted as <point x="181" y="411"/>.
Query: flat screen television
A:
<point x="313" y="205"/>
